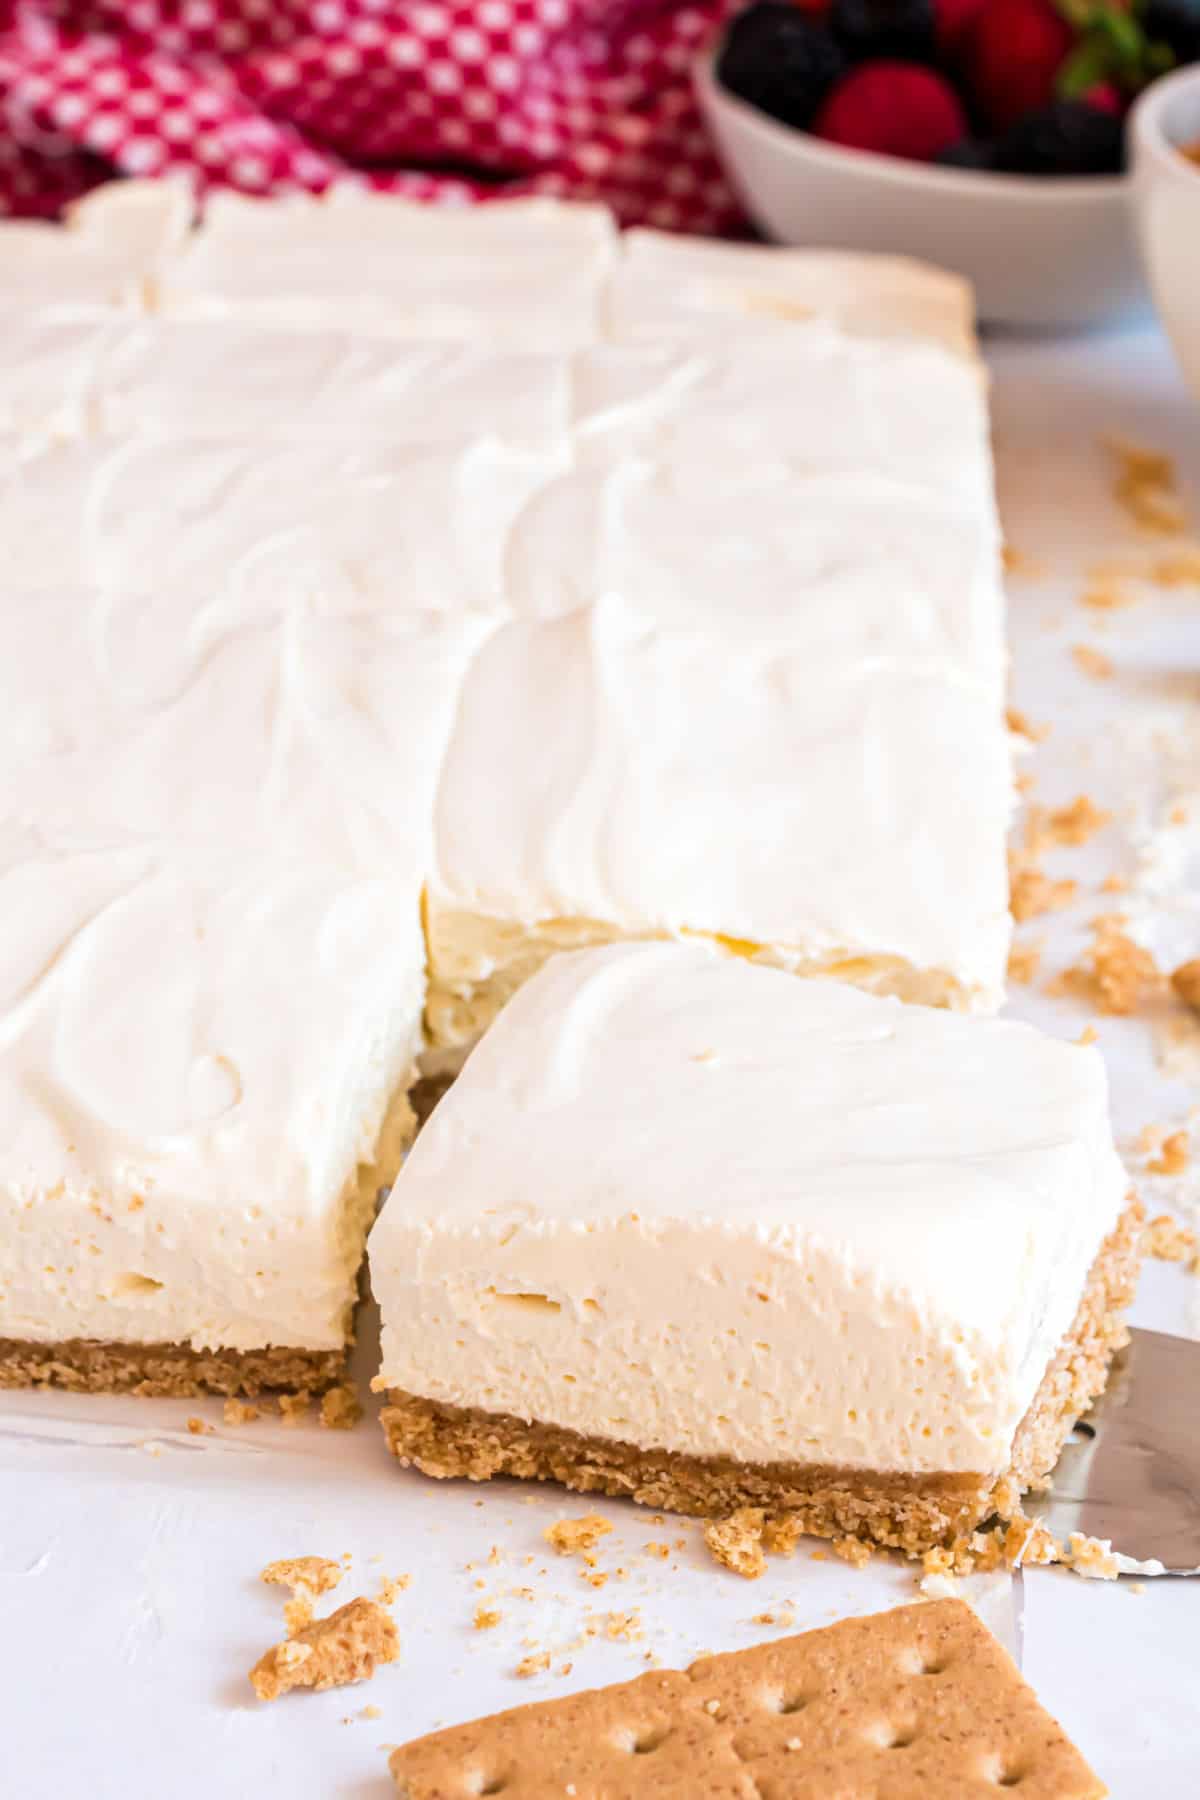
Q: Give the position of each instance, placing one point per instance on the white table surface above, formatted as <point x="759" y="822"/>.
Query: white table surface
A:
<point x="130" y="1608"/>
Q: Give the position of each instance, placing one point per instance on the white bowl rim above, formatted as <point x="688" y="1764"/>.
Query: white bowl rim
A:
<point x="1146" y="117"/>
<point x="1043" y="190"/>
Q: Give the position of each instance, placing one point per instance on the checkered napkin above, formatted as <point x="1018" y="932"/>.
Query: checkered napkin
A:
<point x="445" y="100"/>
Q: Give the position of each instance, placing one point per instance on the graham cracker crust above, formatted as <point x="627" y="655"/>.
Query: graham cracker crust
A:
<point x="173" y="1371"/>
<point x="913" y="1513"/>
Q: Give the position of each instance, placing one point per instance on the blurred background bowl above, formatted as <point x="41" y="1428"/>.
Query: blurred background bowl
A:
<point x="1167" y="191"/>
<point x="1041" y="252"/>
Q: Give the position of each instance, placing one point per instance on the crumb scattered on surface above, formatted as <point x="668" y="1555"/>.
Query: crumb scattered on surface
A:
<point x="662" y="1551"/>
<point x="1165" y="1239"/>
<point x="1091" y="1557"/>
<point x="1146" y="487"/>
<point x="370" y="1712"/>
<point x="1092" y="662"/>
<point x="340" y="1408"/>
<point x="1076" y="823"/>
<point x="623" y="1627"/>
<point x="1017" y="563"/>
<point x="390" y="1586"/>
<point x="313" y="1574"/>
<point x="239" y="1412"/>
<point x="1106" y="596"/>
<point x="346" y="1647"/>
<point x="1032" y="893"/>
<point x="198" y="1428"/>
<point x="736" y="1542"/>
<point x="1022" y="726"/>
<point x="487" y="1617"/>
<point x="293" y="1408"/>
<point x="1023" y="962"/>
<point x="853" y="1551"/>
<point x="1089" y="1035"/>
<point x="1118" y="974"/>
<point x="534" y="1664"/>
<point x="571" y="1536"/>
<point x="1185" y="981"/>
<point x="1173" y="1157"/>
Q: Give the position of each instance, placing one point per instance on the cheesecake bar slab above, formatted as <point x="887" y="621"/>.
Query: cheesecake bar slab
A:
<point x="692" y="1231"/>
<point x="202" y="1091"/>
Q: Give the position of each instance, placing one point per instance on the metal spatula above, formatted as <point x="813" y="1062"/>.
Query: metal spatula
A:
<point x="1130" y="1472"/>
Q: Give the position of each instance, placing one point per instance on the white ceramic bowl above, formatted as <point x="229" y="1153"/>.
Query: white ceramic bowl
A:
<point x="1040" y="252"/>
<point x="1167" y="192"/>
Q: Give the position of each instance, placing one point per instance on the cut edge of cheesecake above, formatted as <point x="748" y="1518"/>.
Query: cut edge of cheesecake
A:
<point x="909" y="1512"/>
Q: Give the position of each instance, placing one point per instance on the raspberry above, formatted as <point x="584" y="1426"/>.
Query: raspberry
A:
<point x="780" y="61"/>
<point x="895" y="108"/>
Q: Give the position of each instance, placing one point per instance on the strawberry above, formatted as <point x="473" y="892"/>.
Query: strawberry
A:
<point x="894" y="108"/>
<point x="1013" y="52"/>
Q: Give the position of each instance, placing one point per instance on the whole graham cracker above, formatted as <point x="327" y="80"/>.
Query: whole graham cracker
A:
<point x="920" y="1703"/>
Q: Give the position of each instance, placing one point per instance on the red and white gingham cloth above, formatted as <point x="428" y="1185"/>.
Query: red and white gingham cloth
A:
<point x="450" y="100"/>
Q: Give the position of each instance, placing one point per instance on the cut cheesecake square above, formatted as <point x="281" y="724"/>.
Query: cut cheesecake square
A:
<point x="687" y="1230"/>
<point x="202" y="1090"/>
<point x="788" y="793"/>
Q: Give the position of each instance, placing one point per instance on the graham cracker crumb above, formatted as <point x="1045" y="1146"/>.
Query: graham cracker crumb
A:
<point x="623" y="1627"/>
<point x="1167" y="1240"/>
<point x="1023" y="962"/>
<point x="1092" y="662"/>
<point x="1174" y="1156"/>
<point x="391" y="1586"/>
<point x="1032" y="893"/>
<point x="1017" y="563"/>
<point x="1179" y="569"/>
<point x="487" y="1617"/>
<point x="198" y="1428"/>
<point x="1185" y="980"/>
<point x="571" y="1536"/>
<point x="1113" y="884"/>
<point x="297" y="1613"/>
<point x="1118" y="974"/>
<point x="370" y="1712"/>
<point x="293" y="1408"/>
<point x="662" y="1551"/>
<point x="852" y="1550"/>
<point x="1146" y="487"/>
<point x="239" y="1412"/>
<point x="1106" y="596"/>
<point x="312" y="1574"/>
<point x="1091" y="1558"/>
<point x="1021" y="726"/>
<point x="1076" y="823"/>
<point x="736" y="1542"/>
<point x="782" y="1532"/>
<point x="340" y="1408"/>
<point x="594" y="1577"/>
<point x="332" y="1652"/>
<point x="533" y="1665"/>
<point x="1089" y="1035"/>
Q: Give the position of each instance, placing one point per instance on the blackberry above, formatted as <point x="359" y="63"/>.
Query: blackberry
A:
<point x="779" y="61"/>
<point x="968" y="153"/>
<point x="1175" y="23"/>
<point x="1069" y="137"/>
<point x="902" y="28"/>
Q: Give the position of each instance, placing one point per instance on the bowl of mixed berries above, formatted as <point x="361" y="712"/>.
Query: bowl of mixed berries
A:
<point x="985" y="135"/>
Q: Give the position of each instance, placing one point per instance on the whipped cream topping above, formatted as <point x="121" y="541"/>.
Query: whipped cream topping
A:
<point x="529" y="273"/>
<point x="695" y="1205"/>
<point x="197" y="1057"/>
